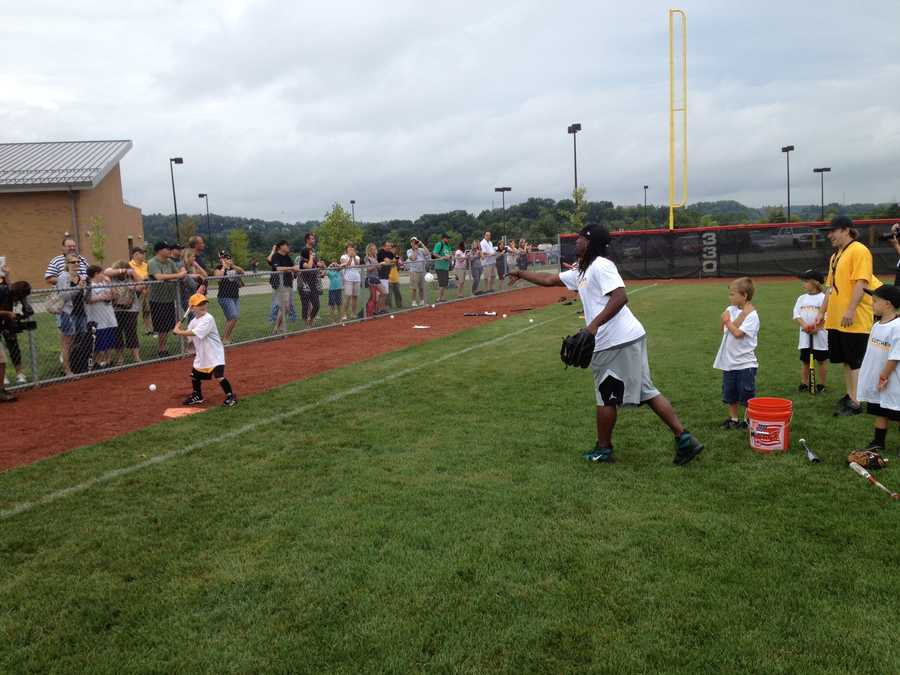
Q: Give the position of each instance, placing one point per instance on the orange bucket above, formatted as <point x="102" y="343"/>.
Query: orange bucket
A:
<point x="770" y="424"/>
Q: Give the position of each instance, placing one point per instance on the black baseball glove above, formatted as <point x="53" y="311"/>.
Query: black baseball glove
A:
<point x="577" y="350"/>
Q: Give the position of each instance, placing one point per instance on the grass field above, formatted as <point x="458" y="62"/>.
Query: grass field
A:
<point x="428" y="510"/>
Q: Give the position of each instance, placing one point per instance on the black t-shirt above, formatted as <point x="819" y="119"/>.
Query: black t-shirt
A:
<point x="287" y="278"/>
<point x="384" y="270"/>
<point x="6" y="304"/>
<point x="308" y="277"/>
<point x="230" y="284"/>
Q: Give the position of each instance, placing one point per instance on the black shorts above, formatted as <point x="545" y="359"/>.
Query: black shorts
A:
<point x="162" y="315"/>
<point x="878" y="411"/>
<point x="819" y="355"/>
<point x="443" y="278"/>
<point x="738" y="386"/>
<point x="218" y="372"/>
<point x="849" y="348"/>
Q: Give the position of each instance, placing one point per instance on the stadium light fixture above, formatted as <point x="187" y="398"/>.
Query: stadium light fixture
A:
<point x="573" y="129"/>
<point x="173" y="161"/>
<point x="645" y="203"/>
<point x="353" y="210"/>
<point x="503" y="191"/>
<point x="787" y="149"/>
<point x="205" y="196"/>
<point x="822" y="171"/>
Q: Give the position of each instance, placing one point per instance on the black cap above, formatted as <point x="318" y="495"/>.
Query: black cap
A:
<point x="224" y="253"/>
<point x="815" y="275"/>
<point x="159" y="246"/>
<point x="838" y="223"/>
<point x="596" y="233"/>
<point x="445" y="236"/>
<point x="177" y="246"/>
<point x="887" y="292"/>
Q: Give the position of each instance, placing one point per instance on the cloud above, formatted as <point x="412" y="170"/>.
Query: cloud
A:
<point x="282" y="109"/>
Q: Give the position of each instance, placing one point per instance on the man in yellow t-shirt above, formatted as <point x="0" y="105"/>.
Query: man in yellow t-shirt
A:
<point x="847" y="310"/>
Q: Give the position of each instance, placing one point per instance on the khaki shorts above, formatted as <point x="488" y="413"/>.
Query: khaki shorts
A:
<point x="622" y="375"/>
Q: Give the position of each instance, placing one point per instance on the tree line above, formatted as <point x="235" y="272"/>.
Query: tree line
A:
<point x="537" y="219"/>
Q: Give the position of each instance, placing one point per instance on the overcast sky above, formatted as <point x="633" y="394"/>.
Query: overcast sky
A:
<point x="280" y="109"/>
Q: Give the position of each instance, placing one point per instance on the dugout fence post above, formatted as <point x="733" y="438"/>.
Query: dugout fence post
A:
<point x="33" y="359"/>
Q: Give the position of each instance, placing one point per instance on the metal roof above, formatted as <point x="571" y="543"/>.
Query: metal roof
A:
<point x="65" y="165"/>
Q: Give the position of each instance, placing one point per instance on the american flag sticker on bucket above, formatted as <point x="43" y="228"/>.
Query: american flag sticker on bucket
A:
<point x="767" y="436"/>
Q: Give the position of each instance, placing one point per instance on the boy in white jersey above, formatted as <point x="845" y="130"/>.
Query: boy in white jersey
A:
<point x="620" y="365"/>
<point x="209" y="354"/>
<point x="879" y="380"/>
<point x="806" y="314"/>
<point x="737" y="356"/>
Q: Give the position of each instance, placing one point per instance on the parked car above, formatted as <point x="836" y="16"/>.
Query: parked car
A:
<point x="762" y="240"/>
<point x="798" y="237"/>
<point x="688" y="244"/>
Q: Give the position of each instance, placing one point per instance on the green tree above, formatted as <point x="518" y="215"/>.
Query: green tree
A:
<point x="336" y="231"/>
<point x="239" y="245"/>
<point x="578" y="214"/>
<point x="708" y="221"/>
<point x="775" y="215"/>
<point x="187" y="228"/>
<point x="98" y="239"/>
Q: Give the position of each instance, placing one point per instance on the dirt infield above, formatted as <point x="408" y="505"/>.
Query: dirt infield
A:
<point x="52" y="420"/>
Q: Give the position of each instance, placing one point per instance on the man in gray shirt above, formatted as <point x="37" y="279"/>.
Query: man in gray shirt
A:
<point x="417" y="257"/>
<point x="163" y="296"/>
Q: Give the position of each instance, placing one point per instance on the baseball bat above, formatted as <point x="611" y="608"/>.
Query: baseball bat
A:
<point x="810" y="455"/>
<point x="812" y="367"/>
<point x="869" y="477"/>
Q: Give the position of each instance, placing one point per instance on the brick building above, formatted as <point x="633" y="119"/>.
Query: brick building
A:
<point x="50" y="189"/>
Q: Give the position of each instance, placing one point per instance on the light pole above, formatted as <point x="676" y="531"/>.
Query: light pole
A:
<point x="205" y="196"/>
<point x="822" y="171"/>
<point x="645" y="203"/>
<point x="172" y="161"/>
<point x="787" y="153"/>
<point x="503" y="191"/>
<point x="574" y="129"/>
<point x="353" y="210"/>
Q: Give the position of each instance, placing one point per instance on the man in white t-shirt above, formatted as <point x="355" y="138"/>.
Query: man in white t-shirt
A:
<point x="488" y="261"/>
<point x="620" y="365"/>
<point x="209" y="352"/>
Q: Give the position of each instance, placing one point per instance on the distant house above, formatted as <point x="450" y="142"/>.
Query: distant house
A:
<point x="50" y="189"/>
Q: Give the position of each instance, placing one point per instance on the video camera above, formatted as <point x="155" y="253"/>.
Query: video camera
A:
<point x="23" y="320"/>
<point x="893" y="234"/>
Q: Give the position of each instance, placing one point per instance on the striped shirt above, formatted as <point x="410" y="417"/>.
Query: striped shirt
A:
<point x="58" y="264"/>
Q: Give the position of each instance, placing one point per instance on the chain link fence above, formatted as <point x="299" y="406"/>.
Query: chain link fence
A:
<point x="97" y="326"/>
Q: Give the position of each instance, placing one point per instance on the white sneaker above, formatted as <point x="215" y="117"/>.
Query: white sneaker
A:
<point x="21" y="379"/>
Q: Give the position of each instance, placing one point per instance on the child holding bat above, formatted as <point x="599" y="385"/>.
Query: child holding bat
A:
<point x="209" y="354"/>
<point x="813" y="337"/>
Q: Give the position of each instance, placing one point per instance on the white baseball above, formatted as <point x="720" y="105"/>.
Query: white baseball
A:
<point x="152" y="387"/>
<point x="433" y="306"/>
<point x="530" y="320"/>
<point x="392" y="316"/>
<point x="504" y="316"/>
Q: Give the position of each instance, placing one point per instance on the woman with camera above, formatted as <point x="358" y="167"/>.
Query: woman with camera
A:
<point x="895" y="241"/>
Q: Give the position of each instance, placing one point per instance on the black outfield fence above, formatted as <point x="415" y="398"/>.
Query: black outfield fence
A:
<point x="734" y="250"/>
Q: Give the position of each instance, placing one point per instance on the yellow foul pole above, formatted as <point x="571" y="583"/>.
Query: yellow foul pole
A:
<point x="676" y="107"/>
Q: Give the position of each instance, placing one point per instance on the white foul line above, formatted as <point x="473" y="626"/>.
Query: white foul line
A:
<point x="172" y="454"/>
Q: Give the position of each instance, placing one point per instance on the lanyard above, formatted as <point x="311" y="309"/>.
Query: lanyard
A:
<point x="835" y="259"/>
